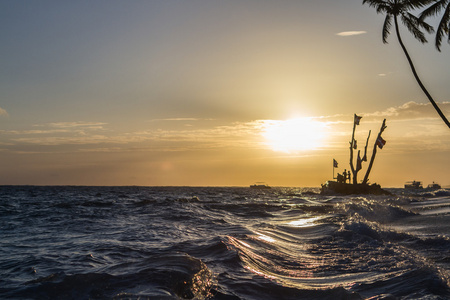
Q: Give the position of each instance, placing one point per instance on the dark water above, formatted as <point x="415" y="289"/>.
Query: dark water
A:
<point x="221" y="243"/>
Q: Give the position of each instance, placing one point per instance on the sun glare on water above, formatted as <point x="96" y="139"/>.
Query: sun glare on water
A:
<point x="294" y="135"/>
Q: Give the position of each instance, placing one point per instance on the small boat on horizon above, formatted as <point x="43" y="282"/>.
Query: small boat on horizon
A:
<point x="260" y="185"/>
<point x="434" y="186"/>
<point x="414" y="185"/>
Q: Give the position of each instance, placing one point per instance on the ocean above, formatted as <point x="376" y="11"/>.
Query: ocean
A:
<point x="73" y="242"/>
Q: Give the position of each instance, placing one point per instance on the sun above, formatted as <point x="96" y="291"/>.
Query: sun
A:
<point x="294" y="135"/>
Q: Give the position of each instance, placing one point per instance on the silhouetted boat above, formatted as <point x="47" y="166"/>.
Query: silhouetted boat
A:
<point x="434" y="186"/>
<point x="414" y="185"/>
<point x="260" y="185"/>
<point x="332" y="188"/>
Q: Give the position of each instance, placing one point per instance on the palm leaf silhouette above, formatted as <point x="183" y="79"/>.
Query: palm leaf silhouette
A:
<point x="395" y="9"/>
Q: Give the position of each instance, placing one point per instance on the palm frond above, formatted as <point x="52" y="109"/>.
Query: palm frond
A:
<point x="374" y="3"/>
<point x="416" y="4"/>
<point x="420" y="23"/>
<point x="413" y="27"/>
<point x="434" y="9"/>
<point x="381" y="6"/>
<point x="443" y="28"/>
<point x="387" y="27"/>
<point x="448" y="39"/>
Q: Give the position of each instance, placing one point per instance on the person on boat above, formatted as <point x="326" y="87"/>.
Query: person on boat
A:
<point x="340" y="178"/>
<point x="345" y="175"/>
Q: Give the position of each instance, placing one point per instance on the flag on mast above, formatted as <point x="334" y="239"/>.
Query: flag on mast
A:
<point x="357" y="119"/>
<point x="380" y="142"/>
<point x="335" y="163"/>
<point x="359" y="162"/>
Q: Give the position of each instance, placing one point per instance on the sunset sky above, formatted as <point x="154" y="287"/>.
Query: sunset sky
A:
<point x="209" y="93"/>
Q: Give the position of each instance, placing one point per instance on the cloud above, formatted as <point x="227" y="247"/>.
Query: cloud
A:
<point x="60" y="133"/>
<point x="350" y="33"/>
<point x="96" y="136"/>
<point x="92" y="125"/>
<point x="413" y="111"/>
<point x="385" y="74"/>
<point x="180" y="119"/>
<point x="58" y="128"/>
<point x="32" y="132"/>
<point x="237" y="133"/>
<point x="3" y="112"/>
<point x="68" y="140"/>
<point x="408" y="111"/>
<point x="177" y="119"/>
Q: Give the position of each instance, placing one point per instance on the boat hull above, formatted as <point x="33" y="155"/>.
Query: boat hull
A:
<point x="260" y="186"/>
<point x="333" y="187"/>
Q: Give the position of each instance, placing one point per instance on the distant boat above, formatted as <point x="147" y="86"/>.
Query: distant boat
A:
<point x="260" y="185"/>
<point x="414" y="185"/>
<point x="434" y="186"/>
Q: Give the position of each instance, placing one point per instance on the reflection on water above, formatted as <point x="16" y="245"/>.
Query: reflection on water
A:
<point x="304" y="222"/>
<point x="221" y="243"/>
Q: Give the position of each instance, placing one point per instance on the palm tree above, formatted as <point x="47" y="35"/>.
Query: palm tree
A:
<point x="395" y="9"/>
<point x="444" y="25"/>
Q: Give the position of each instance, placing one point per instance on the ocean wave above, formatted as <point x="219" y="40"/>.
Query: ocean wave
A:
<point x="435" y="193"/>
<point x="358" y="254"/>
<point x="161" y="276"/>
<point x="221" y="243"/>
<point x="379" y="210"/>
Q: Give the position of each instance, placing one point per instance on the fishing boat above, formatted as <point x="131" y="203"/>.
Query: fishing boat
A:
<point x="260" y="185"/>
<point x="434" y="186"/>
<point x="340" y="186"/>
<point x="334" y="187"/>
<point x="413" y="185"/>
